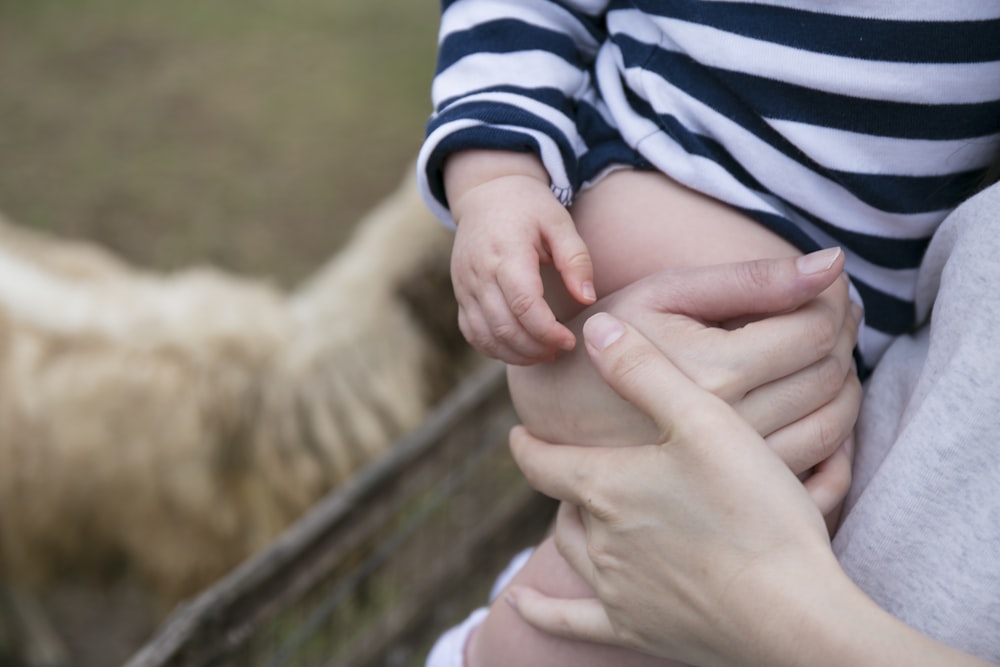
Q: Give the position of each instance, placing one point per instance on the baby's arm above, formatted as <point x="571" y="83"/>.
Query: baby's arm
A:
<point x="508" y="224"/>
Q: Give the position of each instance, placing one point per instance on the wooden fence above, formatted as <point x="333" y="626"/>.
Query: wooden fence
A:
<point x="382" y="565"/>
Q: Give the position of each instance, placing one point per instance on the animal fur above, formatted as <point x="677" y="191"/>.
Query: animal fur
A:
<point x="173" y="424"/>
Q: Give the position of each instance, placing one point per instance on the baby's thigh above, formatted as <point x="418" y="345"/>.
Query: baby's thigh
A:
<point x="636" y="223"/>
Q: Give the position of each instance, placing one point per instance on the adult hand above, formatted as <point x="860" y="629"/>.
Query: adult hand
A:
<point x="703" y="546"/>
<point x="792" y="356"/>
<point x="682" y="527"/>
<point x="788" y="373"/>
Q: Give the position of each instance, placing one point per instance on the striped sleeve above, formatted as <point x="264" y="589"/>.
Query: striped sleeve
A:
<point x="511" y="75"/>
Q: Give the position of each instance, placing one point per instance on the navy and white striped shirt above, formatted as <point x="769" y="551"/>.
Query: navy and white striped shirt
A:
<point x="859" y="123"/>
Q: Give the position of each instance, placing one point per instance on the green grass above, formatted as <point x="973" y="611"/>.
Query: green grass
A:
<point x="249" y="133"/>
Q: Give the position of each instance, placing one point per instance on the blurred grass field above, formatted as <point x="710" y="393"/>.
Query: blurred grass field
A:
<point x="248" y="133"/>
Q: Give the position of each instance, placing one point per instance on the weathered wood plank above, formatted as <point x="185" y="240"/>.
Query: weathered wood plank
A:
<point x="473" y="417"/>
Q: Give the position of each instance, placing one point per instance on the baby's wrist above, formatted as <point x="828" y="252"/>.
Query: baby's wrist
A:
<point x="467" y="170"/>
<point x="520" y="200"/>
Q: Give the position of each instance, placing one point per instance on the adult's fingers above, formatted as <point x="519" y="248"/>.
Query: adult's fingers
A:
<point x="561" y="471"/>
<point x="571" y="541"/>
<point x="777" y="404"/>
<point x="830" y="480"/>
<point x="775" y="347"/>
<point x="730" y="364"/>
<point x="762" y="287"/>
<point x="582" y="619"/>
<point x="814" y="438"/>
<point x="643" y="376"/>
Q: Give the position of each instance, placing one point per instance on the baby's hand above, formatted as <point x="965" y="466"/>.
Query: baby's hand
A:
<point x="508" y="227"/>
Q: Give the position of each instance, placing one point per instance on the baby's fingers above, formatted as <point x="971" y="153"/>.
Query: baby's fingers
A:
<point x="494" y="330"/>
<point x="474" y="327"/>
<point x="572" y="260"/>
<point x="523" y="292"/>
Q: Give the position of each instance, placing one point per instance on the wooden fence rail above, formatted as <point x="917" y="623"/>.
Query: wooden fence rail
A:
<point x="381" y="565"/>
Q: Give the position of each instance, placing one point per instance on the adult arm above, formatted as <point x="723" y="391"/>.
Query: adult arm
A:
<point x="703" y="546"/>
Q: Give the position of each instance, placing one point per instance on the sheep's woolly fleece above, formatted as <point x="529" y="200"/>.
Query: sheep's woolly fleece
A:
<point x="176" y="423"/>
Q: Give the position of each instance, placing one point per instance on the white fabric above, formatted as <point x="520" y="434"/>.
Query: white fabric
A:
<point x="449" y="650"/>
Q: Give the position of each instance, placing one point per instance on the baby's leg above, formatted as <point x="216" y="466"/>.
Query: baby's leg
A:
<point x="639" y="223"/>
<point x="634" y="224"/>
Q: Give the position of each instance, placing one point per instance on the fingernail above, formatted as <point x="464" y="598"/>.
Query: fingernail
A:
<point x="818" y="261"/>
<point x="567" y="344"/>
<point x="588" y="291"/>
<point x="602" y="330"/>
<point x="510" y="597"/>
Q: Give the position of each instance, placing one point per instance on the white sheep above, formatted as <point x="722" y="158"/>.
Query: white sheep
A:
<point x="173" y="424"/>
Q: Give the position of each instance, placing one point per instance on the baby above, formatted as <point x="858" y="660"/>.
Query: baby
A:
<point x="507" y="223"/>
